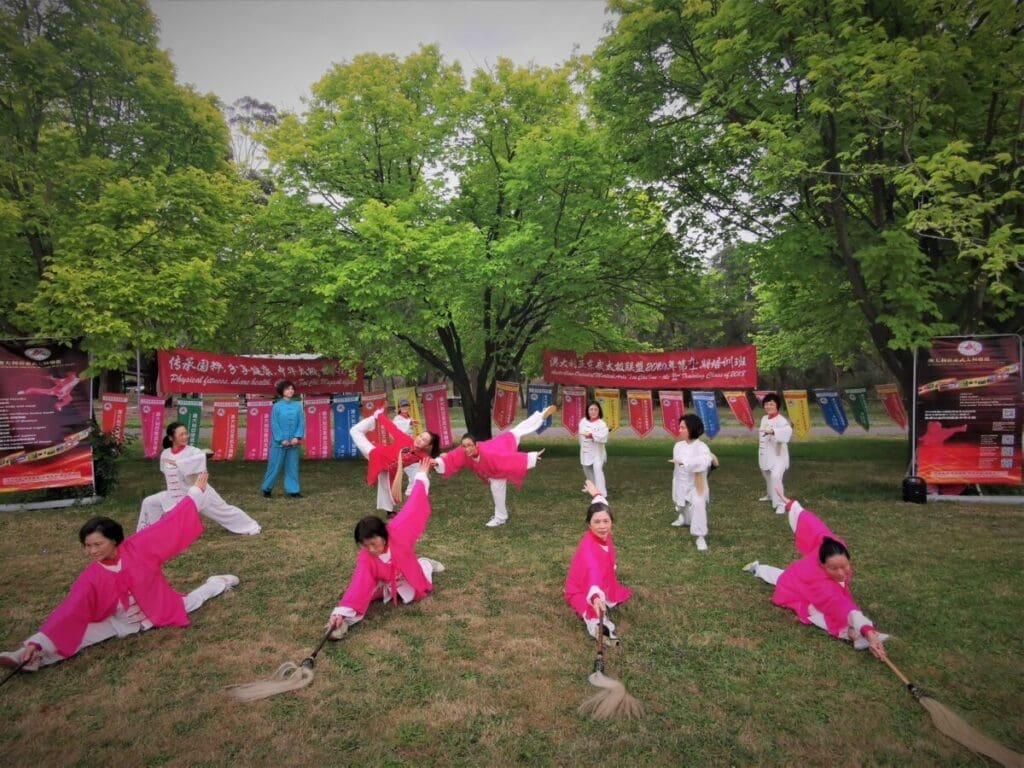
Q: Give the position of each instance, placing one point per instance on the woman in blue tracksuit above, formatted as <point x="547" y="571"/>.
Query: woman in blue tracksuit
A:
<point x="287" y="429"/>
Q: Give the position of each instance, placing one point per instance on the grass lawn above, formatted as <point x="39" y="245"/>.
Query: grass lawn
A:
<point x="490" y="669"/>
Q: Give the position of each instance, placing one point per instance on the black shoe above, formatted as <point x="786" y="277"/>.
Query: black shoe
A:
<point x="267" y="494"/>
<point x="294" y="495"/>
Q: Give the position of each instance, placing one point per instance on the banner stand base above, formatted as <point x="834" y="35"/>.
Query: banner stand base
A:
<point x="977" y="499"/>
<point x="55" y="504"/>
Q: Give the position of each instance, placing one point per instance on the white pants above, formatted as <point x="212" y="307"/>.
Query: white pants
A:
<point x="214" y="508"/>
<point x="121" y="624"/>
<point x="499" y="487"/>
<point x="695" y="513"/>
<point x="595" y="474"/>
<point x="385" y="501"/>
<point x="773" y="480"/>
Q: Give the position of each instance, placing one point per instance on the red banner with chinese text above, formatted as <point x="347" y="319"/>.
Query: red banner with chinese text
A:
<point x="257" y="429"/>
<point x="115" y="414"/>
<point x="225" y="430"/>
<point x="370" y="403"/>
<point x="318" y="427"/>
<point x="889" y="394"/>
<point x="435" y="412"/>
<point x="188" y="370"/>
<point x="728" y="367"/>
<point x="151" y="413"/>
<point x="574" y="407"/>
<point x="506" y="402"/>
<point x="672" y="409"/>
<point x="641" y="411"/>
<point x="740" y="407"/>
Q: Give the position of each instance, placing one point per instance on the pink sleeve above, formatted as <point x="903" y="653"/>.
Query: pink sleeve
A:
<point x="810" y="530"/>
<point x="397" y="435"/>
<point x="833" y="601"/>
<point x="411" y="521"/>
<point x="360" y="589"/>
<point x="171" y="534"/>
<point x="454" y="461"/>
<point x="66" y="625"/>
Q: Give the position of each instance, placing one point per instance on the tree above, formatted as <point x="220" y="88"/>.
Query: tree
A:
<point x="118" y="207"/>
<point x="459" y="226"/>
<point x="873" y="147"/>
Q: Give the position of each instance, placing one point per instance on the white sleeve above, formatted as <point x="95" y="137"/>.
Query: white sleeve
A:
<point x="783" y="431"/>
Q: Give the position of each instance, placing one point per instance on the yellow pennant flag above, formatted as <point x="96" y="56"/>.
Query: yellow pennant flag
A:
<point x="398" y="394"/>
<point x="798" y="411"/>
<point x="609" y="400"/>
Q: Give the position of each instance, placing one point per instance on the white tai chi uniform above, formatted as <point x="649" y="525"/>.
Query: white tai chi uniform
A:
<point x="179" y="471"/>
<point x="773" y="455"/>
<point x="690" y="491"/>
<point x="592" y="452"/>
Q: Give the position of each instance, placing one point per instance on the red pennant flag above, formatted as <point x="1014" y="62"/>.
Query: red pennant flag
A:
<point x="740" y="407"/>
<point x="435" y="412"/>
<point x="641" y="411"/>
<point x="257" y="429"/>
<point x="890" y="397"/>
<point x="115" y="413"/>
<point x="506" y="401"/>
<point x="369" y="403"/>
<point x="151" y="412"/>
<point x="318" y="427"/>
<point x="574" y="407"/>
<point x="672" y="409"/>
<point x="225" y="430"/>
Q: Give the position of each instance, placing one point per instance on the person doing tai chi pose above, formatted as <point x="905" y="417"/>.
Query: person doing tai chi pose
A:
<point x="497" y="461"/>
<point x="287" y="431"/>
<point x="817" y="586"/>
<point x="123" y="590"/>
<point x="592" y="585"/>
<point x="593" y="437"/>
<point x="773" y="450"/>
<point x="61" y="390"/>
<point x="385" y="460"/>
<point x="180" y="464"/>
<point x="690" y="493"/>
<point x="387" y="567"/>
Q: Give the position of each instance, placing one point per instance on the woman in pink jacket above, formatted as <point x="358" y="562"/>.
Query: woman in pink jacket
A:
<point x="123" y="590"/>
<point x="817" y="586"/>
<point x="592" y="585"/>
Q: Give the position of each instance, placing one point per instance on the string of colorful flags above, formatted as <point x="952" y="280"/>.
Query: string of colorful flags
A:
<point x="329" y="418"/>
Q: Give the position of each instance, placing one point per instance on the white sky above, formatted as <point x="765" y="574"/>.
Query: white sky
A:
<point x="274" y="50"/>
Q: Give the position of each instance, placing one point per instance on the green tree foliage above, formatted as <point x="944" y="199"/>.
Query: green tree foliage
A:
<point x="424" y="220"/>
<point x="873" y="149"/>
<point x="117" y="201"/>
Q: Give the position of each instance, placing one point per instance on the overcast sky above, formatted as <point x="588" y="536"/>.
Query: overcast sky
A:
<point x="274" y="50"/>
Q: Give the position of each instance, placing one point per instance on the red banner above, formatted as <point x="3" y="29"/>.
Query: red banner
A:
<point x="740" y="407"/>
<point x="435" y="412"/>
<point x="574" y="407"/>
<point x="187" y="370"/>
<point x="889" y="394"/>
<point x="369" y="403"/>
<point x="701" y="368"/>
<point x="641" y="411"/>
<point x="225" y="430"/>
<point x="151" y="413"/>
<point x="318" y="427"/>
<point x="257" y="429"/>
<point x="506" y="402"/>
<point x="672" y="409"/>
<point x="115" y="413"/>
<point x="759" y="394"/>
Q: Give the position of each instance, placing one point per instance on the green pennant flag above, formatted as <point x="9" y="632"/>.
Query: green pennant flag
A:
<point x="190" y="413"/>
<point x="859" y="406"/>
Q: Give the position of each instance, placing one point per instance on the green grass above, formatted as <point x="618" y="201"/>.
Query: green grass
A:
<point x="490" y="669"/>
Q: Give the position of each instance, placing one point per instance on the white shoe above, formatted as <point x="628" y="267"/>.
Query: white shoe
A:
<point x="436" y="565"/>
<point x="679" y="521"/>
<point x="494" y="522"/>
<point x="780" y="510"/>
<point x="11" y="659"/>
<point x="861" y="642"/>
<point x="765" y="498"/>
<point x="751" y="567"/>
<point x="228" y="580"/>
<point x="702" y="545"/>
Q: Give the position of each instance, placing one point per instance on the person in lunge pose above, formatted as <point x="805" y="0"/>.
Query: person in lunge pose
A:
<point x="817" y="586"/>
<point x="692" y="460"/>
<point x="592" y="585"/>
<point x="497" y="461"/>
<point x="180" y="464"/>
<point x="123" y="590"/>
<point x="387" y="567"/>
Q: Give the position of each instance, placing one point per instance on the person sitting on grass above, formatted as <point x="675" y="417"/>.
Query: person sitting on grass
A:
<point x="592" y="585"/>
<point x="817" y="586"/>
<point x="387" y="567"/>
<point x="123" y="590"/>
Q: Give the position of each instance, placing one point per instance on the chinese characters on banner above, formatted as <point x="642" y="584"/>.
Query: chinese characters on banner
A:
<point x="539" y="397"/>
<point x="151" y="413"/>
<point x="506" y="401"/>
<point x="346" y="414"/>
<point x="704" y="405"/>
<point x="44" y="417"/>
<point x="225" y="430"/>
<point x="832" y="409"/>
<point x="798" y="411"/>
<point x="115" y="414"/>
<point x="672" y="410"/>
<point x="435" y="412"/>
<point x="257" y="429"/>
<point x="641" y="411"/>
<point x="191" y="371"/>
<point x="609" y="401"/>
<point x="398" y="394"/>
<point x="970" y="410"/>
<point x="574" y="406"/>
<point x="318" y="427"/>
<point x="740" y="407"/>
<point x="371" y="403"/>
<point x="731" y="367"/>
<point x="190" y="413"/>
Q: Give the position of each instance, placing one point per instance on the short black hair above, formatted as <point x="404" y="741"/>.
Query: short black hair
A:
<point x="694" y="424"/>
<point x="599" y="506"/>
<point x="282" y="385"/>
<point x="110" y="529"/>
<point x="771" y="397"/>
<point x="830" y="548"/>
<point x="370" y="527"/>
